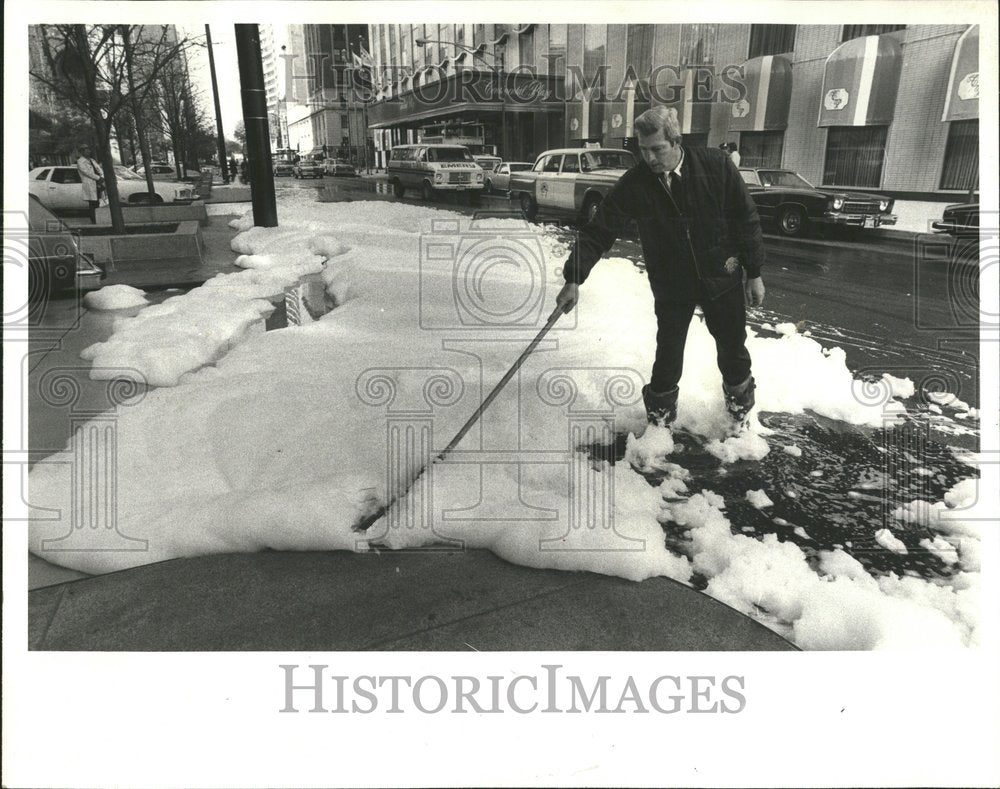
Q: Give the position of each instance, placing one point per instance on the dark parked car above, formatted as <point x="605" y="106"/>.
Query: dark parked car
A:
<point x="55" y="262"/>
<point x="960" y="220"/>
<point x="309" y="168"/>
<point x="794" y="204"/>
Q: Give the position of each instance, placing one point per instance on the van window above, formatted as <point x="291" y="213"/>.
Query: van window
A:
<point x="449" y="155"/>
<point x="421" y="155"/>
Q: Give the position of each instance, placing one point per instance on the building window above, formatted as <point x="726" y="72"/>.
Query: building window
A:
<point x="696" y="140"/>
<point x="961" y="156"/>
<point x="639" y="54"/>
<point x="595" y="43"/>
<point x="697" y="45"/>
<point x="771" y="40"/>
<point x="854" y="156"/>
<point x="761" y="149"/>
<point x="857" y="31"/>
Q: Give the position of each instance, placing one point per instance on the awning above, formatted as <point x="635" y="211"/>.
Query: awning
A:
<point x="860" y="82"/>
<point x="629" y="105"/>
<point x="768" y="81"/>
<point x="695" y="109"/>
<point x="961" y="103"/>
<point x="584" y="116"/>
<point x="452" y="96"/>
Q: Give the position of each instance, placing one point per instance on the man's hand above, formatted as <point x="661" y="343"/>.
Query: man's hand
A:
<point x="568" y="296"/>
<point x="754" y="289"/>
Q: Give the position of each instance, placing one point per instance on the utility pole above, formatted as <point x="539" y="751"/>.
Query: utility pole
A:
<point x="265" y="212"/>
<point x="223" y="164"/>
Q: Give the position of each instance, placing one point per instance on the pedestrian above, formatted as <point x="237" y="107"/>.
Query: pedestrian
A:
<point x="92" y="179"/>
<point x="700" y="234"/>
<point x="244" y="170"/>
<point x="734" y="153"/>
<point x="233" y="167"/>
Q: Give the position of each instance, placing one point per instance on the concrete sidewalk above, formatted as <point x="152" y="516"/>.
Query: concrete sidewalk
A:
<point x="433" y="601"/>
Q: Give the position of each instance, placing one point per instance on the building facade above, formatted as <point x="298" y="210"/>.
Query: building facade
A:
<point x="329" y="117"/>
<point x="886" y="107"/>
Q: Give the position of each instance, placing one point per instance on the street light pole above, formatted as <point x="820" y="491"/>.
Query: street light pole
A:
<point x="223" y="166"/>
<point x="265" y="211"/>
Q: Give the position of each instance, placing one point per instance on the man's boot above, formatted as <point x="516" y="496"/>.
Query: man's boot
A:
<point x="661" y="407"/>
<point x="739" y="401"/>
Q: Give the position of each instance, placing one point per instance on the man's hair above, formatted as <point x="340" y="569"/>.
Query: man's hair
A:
<point x="660" y="119"/>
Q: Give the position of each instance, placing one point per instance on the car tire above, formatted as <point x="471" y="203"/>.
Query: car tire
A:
<point x="398" y="190"/>
<point x="791" y="221"/>
<point x="529" y="208"/>
<point x="590" y="209"/>
<point x="427" y="191"/>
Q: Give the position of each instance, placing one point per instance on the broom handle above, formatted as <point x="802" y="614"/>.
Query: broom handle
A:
<point x="371" y="518"/>
<point x="502" y="383"/>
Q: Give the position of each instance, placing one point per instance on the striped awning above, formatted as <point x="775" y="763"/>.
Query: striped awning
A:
<point x="695" y="112"/>
<point x="622" y="113"/>
<point x="768" y="80"/>
<point x="584" y="115"/>
<point x="860" y="82"/>
<point x="962" y="100"/>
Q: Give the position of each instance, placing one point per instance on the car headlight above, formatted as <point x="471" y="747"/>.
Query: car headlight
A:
<point x="838" y="203"/>
<point x="883" y="206"/>
<point x="479" y="177"/>
<point x="438" y="177"/>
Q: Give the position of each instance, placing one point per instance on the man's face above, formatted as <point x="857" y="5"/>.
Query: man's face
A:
<point x="658" y="152"/>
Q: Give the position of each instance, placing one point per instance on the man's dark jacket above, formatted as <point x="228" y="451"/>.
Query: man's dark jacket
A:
<point x="685" y="254"/>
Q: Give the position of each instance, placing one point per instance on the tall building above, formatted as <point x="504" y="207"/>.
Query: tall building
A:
<point x="332" y="120"/>
<point x="269" y="61"/>
<point x="891" y="107"/>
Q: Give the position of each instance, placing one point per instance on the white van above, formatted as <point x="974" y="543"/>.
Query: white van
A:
<point x="434" y="168"/>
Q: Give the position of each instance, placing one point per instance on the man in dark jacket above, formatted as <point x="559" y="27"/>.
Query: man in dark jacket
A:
<point x="700" y="233"/>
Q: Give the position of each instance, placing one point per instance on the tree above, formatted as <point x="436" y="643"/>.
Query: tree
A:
<point x="240" y="133"/>
<point x="87" y="67"/>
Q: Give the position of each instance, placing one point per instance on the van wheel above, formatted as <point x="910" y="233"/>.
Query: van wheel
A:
<point x="529" y="208"/>
<point x="427" y="191"/>
<point x="398" y="190"/>
<point x="590" y="209"/>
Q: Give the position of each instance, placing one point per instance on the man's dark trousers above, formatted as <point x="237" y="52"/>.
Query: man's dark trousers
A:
<point x="725" y="317"/>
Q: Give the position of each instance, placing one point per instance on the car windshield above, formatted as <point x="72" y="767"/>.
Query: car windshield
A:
<point x="449" y="155"/>
<point x="607" y="160"/>
<point x="784" y="178"/>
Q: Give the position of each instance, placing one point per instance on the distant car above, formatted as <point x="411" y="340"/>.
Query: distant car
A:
<point x="339" y="167"/>
<point x="487" y="161"/>
<point x="60" y="189"/>
<point x="160" y="170"/>
<point x="795" y="205"/>
<point x="55" y="262"/>
<point x="499" y="179"/>
<point x="283" y="168"/>
<point x="308" y="168"/>
<point x="960" y="220"/>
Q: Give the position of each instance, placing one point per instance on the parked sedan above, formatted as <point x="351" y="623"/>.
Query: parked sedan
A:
<point x="794" y="204"/>
<point x="283" y="168"/>
<point x="55" y="262"/>
<point x="499" y="179"/>
<point x="960" y="220"/>
<point x="60" y="189"/>
<point x="339" y="167"/>
<point x="161" y="171"/>
<point x="309" y="168"/>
